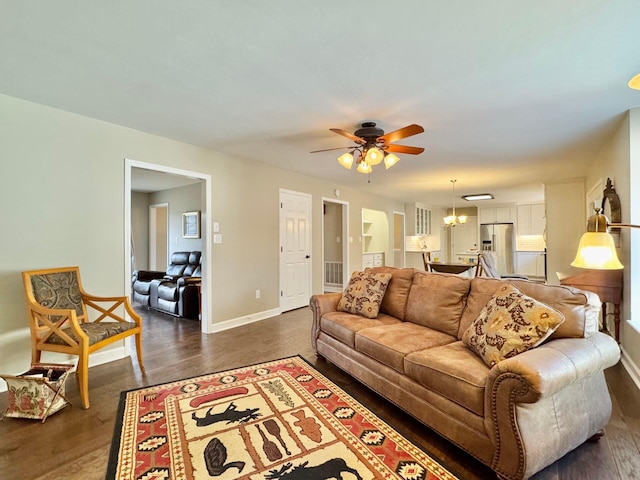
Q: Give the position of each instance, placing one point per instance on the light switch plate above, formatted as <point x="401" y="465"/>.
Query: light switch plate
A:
<point x="216" y="227"/>
<point x="217" y="238"/>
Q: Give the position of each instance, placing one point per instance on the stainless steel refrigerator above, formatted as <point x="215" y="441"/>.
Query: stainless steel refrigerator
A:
<point x="499" y="238"/>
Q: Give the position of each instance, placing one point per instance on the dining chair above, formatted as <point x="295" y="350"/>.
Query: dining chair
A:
<point x="59" y="320"/>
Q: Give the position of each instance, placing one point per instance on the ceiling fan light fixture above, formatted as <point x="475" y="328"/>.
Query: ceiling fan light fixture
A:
<point x="374" y="156"/>
<point x="364" y="167"/>
<point x="635" y="82"/>
<point x="390" y="160"/>
<point x="346" y="160"/>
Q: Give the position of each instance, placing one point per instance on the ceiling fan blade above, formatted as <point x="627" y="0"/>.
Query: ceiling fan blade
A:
<point x="329" y="149"/>
<point x="401" y="133"/>
<point x="403" y="149"/>
<point x="350" y="136"/>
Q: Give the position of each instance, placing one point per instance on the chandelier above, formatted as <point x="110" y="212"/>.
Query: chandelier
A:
<point x="453" y="220"/>
<point x="367" y="156"/>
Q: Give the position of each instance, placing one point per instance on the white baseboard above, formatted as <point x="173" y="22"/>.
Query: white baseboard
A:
<point x="237" y="322"/>
<point x="631" y="368"/>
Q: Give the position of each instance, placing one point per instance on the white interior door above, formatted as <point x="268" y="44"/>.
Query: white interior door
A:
<point x="295" y="249"/>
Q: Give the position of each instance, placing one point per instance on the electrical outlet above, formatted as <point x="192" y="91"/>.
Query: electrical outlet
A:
<point x="257" y="293"/>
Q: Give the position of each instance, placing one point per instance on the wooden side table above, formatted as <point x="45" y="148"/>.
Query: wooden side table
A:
<point x="607" y="284"/>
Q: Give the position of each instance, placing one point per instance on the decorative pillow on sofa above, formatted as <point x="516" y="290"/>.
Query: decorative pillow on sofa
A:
<point x="364" y="293"/>
<point x="509" y="324"/>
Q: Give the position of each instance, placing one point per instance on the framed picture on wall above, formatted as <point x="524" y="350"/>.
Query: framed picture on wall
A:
<point x="191" y="224"/>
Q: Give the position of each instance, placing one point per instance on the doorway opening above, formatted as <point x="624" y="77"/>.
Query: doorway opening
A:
<point x="376" y="238"/>
<point x="398" y="240"/>
<point x="158" y="236"/>
<point x="335" y="245"/>
<point x="205" y="205"/>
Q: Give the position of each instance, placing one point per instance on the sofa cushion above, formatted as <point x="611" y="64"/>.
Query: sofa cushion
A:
<point x="390" y="343"/>
<point x="364" y="294"/>
<point x="581" y="309"/>
<point x="343" y="326"/>
<point x="510" y="323"/>
<point x="437" y="300"/>
<point x="395" y="298"/>
<point x="453" y="371"/>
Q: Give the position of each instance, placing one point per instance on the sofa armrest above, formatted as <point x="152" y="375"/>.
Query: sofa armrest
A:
<point x="321" y="304"/>
<point x="539" y="377"/>
<point x="556" y="364"/>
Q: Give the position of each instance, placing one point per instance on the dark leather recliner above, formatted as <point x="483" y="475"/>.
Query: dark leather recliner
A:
<point x="176" y="291"/>
<point x="141" y="284"/>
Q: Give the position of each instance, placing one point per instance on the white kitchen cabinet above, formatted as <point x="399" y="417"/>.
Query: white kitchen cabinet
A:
<point x="531" y="219"/>
<point x="496" y="215"/>
<point x="530" y="264"/>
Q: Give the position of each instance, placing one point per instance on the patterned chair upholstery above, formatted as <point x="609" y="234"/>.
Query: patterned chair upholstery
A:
<point x="58" y="317"/>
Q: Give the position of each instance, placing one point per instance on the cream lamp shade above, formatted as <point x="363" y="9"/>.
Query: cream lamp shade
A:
<point x="390" y="160"/>
<point x="374" y="156"/>
<point x="364" y="167"/>
<point x="346" y="160"/>
<point x="597" y="251"/>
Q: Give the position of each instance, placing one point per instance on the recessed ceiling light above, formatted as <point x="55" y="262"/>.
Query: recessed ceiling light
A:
<point x="478" y="196"/>
<point x="635" y="82"/>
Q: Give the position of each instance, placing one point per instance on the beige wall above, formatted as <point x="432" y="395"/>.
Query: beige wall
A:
<point x="180" y="200"/>
<point x="566" y="222"/>
<point x="63" y="204"/>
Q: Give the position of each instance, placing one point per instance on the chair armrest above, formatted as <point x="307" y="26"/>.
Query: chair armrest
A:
<point x="68" y="316"/>
<point x="320" y="305"/>
<point x="189" y="281"/>
<point x="147" y="275"/>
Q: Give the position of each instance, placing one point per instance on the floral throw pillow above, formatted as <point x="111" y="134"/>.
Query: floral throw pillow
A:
<point x="509" y="324"/>
<point x="364" y="293"/>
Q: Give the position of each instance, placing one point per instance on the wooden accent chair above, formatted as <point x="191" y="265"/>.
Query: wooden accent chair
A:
<point x="57" y="306"/>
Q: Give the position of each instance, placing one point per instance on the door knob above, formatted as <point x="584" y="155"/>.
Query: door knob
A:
<point x="307" y="256"/>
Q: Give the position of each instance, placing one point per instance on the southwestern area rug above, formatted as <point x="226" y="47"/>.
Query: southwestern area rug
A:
<point x="280" y="420"/>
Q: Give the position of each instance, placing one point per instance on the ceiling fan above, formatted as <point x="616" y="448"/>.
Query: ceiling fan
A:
<point x="374" y="146"/>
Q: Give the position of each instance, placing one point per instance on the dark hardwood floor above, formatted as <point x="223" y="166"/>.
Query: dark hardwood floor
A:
<point x="74" y="443"/>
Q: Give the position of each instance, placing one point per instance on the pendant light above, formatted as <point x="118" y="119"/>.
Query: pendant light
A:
<point x="453" y="220"/>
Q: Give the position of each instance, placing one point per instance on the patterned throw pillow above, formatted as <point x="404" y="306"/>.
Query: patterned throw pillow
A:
<point x="364" y="293"/>
<point x="509" y="324"/>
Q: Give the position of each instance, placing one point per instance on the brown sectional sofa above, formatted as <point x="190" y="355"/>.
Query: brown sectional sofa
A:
<point x="517" y="417"/>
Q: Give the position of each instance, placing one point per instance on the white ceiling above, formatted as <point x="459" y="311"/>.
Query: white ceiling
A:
<point x="511" y="94"/>
<point x="147" y="181"/>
